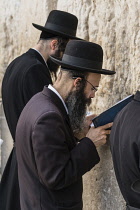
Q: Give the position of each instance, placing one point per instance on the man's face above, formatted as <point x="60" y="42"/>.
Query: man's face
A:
<point x="78" y="100"/>
<point x="92" y="84"/>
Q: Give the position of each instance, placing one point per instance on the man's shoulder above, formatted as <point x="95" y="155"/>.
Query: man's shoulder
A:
<point x="39" y="106"/>
<point x="41" y="101"/>
<point x="28" y="59"/>
<point x="24" y="63"/>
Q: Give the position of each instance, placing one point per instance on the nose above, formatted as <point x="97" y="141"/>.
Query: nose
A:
<point x="92" y="94"/>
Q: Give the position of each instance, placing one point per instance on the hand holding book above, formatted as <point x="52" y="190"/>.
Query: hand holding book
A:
<point x="110" y="114"/>
<point x="99" y="135"/>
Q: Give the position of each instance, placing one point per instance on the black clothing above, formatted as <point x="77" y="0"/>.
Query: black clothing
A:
<point x="50" y="162"/>
<point x="125" y="148"/>
<point x="24" y="77"/>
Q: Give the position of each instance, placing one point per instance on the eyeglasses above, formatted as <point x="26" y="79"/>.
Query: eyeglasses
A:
<point x="93" y="87"/>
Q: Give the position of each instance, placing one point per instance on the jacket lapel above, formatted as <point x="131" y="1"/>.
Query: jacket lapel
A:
<point x="56" y="100"/>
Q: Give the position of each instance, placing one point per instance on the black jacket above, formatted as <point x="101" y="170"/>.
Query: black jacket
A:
<point x="24" y="77"/>
<point x="125" y="148"/>
<point x="50" y="162"/>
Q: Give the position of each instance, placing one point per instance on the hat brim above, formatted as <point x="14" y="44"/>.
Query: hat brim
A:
<point x="41" y="28"/>
<point x="79" y="68"/>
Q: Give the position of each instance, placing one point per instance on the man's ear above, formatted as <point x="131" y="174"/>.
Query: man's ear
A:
<point x="54" y="44"/>
<point x="77" y="82"/>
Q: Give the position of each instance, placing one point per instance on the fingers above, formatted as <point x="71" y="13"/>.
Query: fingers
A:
<point x="103" y="138"/>
<point x="99" y="135"/>
<point x="90" y="117"/>
<point x="107" y="132"/>
<point x="88" y="120"/>
<point x="109" y="125"/>
<point x="100" y="141"/>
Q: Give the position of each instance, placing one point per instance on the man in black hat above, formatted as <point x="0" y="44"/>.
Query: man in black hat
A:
<point x="26" y="76"/>
<point x="50" y="161"/>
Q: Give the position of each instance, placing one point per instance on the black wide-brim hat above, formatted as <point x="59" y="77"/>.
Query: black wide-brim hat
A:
<point x="83" y="56"/>
<point x="60" y="23"/>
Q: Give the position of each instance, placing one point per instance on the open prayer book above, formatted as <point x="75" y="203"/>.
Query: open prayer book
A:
<point x="109" y="115"/>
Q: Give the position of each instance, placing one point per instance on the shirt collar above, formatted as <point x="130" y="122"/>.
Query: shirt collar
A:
<point x="41" y="56"/>
<point x="55" y="91"/>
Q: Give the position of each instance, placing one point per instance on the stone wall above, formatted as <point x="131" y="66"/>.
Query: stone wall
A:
<point x="115" y="25"/>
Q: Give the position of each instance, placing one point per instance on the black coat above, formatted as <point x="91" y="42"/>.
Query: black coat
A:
<point x="24" y="77"/>
<point x="125" y="148"/>
<point x="50" y="162"/>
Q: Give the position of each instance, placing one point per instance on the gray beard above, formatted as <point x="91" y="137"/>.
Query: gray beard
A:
<point x="76" y="103"/>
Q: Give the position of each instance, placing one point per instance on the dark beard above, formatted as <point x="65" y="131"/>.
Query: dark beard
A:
<point x="53" y="67"/>
<point x="76" y="103"/>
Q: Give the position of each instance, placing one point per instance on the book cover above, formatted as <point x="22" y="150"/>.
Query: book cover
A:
<point x="109" y="115"/>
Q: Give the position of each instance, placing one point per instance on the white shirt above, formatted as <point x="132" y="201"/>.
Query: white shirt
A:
<point x="55" y="91"/>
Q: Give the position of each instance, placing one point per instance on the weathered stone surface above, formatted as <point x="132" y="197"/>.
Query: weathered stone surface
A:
<point x="115" y="24"/>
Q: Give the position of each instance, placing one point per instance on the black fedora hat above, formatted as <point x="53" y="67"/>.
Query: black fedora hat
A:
<point x="83" y="56"/>
<point x="60" y="23"/>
